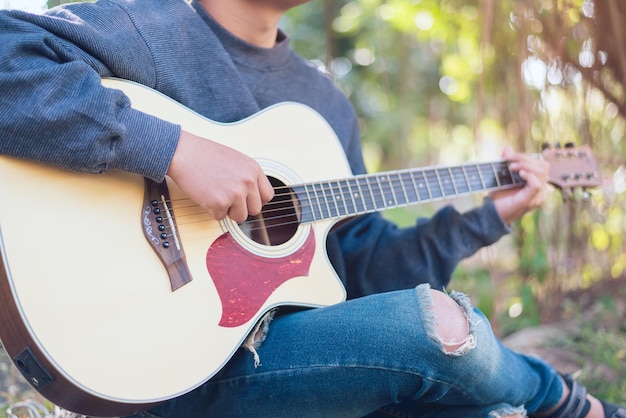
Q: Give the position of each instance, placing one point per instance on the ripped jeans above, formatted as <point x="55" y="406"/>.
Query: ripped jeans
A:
<point x="374" y="356"/>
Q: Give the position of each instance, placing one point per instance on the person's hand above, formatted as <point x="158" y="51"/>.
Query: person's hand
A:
<point x="512" y="204"/>
<point x="222" y="180"/>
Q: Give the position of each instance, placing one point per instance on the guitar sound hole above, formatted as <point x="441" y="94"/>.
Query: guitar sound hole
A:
<point x="278" y="220"/>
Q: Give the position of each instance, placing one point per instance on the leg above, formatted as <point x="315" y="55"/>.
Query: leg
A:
<point x="352" y="358"/>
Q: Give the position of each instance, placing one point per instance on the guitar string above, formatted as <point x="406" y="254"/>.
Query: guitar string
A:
<point x="316" y="200"/>
<point x="378" y="191"/>
<point x="251" y="222"/>
<point x="500" y="171"/>
<point x="377" y="194"/>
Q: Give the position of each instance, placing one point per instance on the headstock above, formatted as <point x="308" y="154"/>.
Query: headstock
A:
<point x="572" y="167"/>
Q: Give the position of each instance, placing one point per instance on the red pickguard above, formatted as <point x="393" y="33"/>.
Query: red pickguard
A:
<point x="245" y="281"/>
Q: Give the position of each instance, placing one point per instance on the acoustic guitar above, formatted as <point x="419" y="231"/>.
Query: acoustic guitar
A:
<point x="117" y="292"/>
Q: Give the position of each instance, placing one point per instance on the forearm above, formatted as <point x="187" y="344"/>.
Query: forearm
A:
<point x="90" y="129"/>
<point x="53" y="109"/>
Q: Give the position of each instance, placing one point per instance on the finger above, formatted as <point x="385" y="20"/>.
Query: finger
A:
<point x="537" y="179"/>
<point x="254" y="203"/>
<point x="534" y="164"/>
<point x="534" y="167"/>
<point x="238" y="212"/>
<point x="266" y="189"/>
<point x="508" y="153"/>
<point x="217" y="214"/>
<point x="535" y="190"/>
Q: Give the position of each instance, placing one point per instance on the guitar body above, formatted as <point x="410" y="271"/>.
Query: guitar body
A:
<point x="88" y="312"/>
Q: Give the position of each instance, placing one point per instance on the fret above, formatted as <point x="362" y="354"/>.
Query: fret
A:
<point x="396" y="190"/>
<point x="337" y="198"/>
<point x="399" y="190"/>
<point x="314" y="202"/>
<point x="445" y="179"/>
<point x="489" y="175"/>
<point x="377" y="201"/>
<point x="472" y="174"/>
<point x="366" y="193"/>
<point x="423" y="189"/>
<point x="409" y="187"/>
<point x="321" y="200"/>
<point x="482" y="178"/>
<point x="386" y="189"/>
<point x="329" y="196"/>
<point x="504" y="174"/>
<point x="352" y="196"/>
<point x="515" y="176"/>
<point x="496" y="174"/>
<point x="346" y="197"/>
<point x="378" y="193"/>
<point x="433" y="183"/>
<point x="308" y="209"/>
<point x="318" y="189"/>
<point x="459" y="179"/>
<point x="357" y="196"/>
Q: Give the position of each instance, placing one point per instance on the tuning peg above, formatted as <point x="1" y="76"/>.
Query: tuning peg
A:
<point x="576" y="194"/>
<point x="582" y="194"/>
<point x="545" y="146"/>
<point x="586" y="195"/>
<point x="569" y="145"/>
<point x="567" y="194"/>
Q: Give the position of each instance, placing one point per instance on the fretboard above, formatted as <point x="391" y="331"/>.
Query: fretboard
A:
<point x="376" y="192"/>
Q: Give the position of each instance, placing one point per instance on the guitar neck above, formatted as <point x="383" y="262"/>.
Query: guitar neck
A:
<point x="376" y="192"/>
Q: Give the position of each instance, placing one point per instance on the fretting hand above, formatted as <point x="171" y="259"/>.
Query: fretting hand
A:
<point x="512" y="204"/>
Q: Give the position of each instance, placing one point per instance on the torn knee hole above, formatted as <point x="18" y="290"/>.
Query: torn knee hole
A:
<point x="451" y="325"/>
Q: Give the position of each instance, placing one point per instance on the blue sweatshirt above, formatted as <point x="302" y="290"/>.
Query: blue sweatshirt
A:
<point x="53" y="109"/>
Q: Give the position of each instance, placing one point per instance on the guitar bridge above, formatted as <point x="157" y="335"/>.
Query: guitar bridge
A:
<point x="159" y="228"/>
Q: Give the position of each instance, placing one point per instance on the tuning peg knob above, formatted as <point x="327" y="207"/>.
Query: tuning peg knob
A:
<point x="586" y="194"/>
<point x="569" y="145"/>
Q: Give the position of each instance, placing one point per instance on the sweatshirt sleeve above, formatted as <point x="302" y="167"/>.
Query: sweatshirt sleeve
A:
<point x="53" y="108"/>
<point x="373" y="255"/>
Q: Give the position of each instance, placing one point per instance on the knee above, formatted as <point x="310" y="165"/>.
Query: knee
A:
<point x="451" y="324"/>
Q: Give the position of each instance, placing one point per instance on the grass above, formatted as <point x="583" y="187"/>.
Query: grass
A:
<point x="600" y="354"/>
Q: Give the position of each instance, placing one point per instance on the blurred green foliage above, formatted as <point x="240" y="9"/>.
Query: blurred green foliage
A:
<point x="599" y="349"/>
<point x="444" y="82"/>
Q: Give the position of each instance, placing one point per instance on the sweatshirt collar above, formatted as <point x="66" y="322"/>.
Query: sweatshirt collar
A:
<point x="244" y="52"/>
